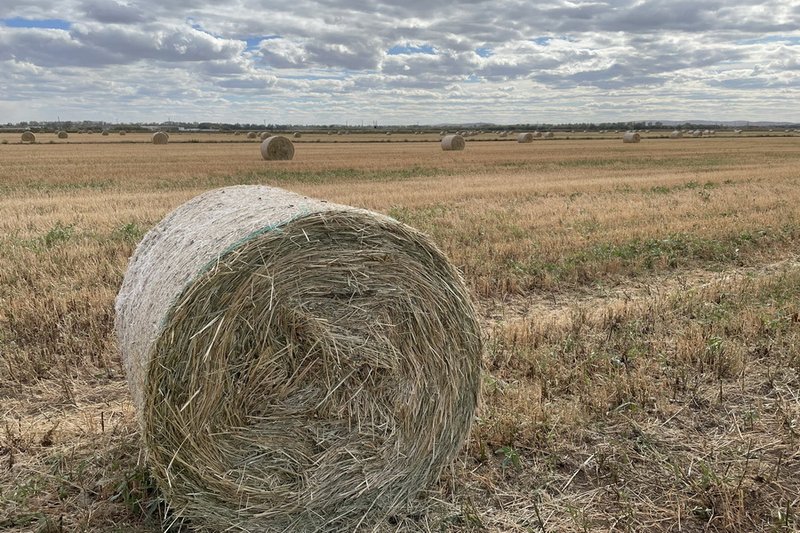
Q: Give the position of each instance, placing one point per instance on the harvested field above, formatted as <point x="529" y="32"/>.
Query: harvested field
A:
<point x="641" y="307"/>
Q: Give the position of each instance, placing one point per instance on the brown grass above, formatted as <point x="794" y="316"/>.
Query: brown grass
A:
<point x="641" y="303"/>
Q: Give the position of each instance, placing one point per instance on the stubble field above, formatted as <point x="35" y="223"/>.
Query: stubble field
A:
<point x="640" y="304"/>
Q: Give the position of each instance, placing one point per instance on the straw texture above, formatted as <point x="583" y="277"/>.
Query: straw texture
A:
<point x="295" y="364"/>
<point x="631" y="137"/>
<point x="277" y="148"/>
<point x="453" y="142"/>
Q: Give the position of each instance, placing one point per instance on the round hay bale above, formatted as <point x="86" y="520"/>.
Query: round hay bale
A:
<point x="122" y="132"/>
<point x="631" y="137"/>
<point x="63" y="134"/>
<point x="697" y="133"/>
<point x="251" y="135"/>
<point x="277" y="148"/>
<point x="525" y="138"/>
<point x="295" y="364"/>
<point x="296" y="135"/>
<point x="105" y="133"/>
<point x="28" y="137"/>
<point x="548" y="135"/>
<point x="264" y="135"/>
<point x="676" y="134"/>
<point x="160" y="137"/>
<point x="453" y="142"/>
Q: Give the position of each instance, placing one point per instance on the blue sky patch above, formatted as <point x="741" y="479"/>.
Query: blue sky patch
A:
<point x="51" y="24"/>
<point x="253" y="42"/>
<point x="542" y="41"/>
<point x="484" y="52"/>
<point x="771" y="39"/>
<point x="408" y="49"/>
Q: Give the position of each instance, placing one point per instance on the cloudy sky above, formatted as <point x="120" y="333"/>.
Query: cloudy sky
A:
<point x="415" y="61"/>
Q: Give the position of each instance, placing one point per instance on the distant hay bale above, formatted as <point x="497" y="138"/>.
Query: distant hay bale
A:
<point x="237" y="133"/>
<point x="631" y="137"/>
<point x="295" y="364"/>
<point x="28" y="137"/>
<point x="453" y="143"/>
<point x="296" y="135"/>
<point x="160" y="137"/>
<point x="537" y="134"/>
<point x="264" y="135"/>
<point x="251" y="135"/>
<point x="277" y="148"/>
<point x="525" y="138"/>
<point x="548" y="135"/>
<point x="105" y="133"/>
<point x="63" y="134"/>
<point x="676" y="134"/>
<point x="388" y="133"/>
<point x="122" y="132"/>
<point x="697" y="133"/>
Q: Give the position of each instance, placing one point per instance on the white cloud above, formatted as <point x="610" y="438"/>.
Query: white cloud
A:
<point x="327" y="60"/>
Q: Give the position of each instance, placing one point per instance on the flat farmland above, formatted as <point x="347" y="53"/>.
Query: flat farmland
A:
<point x="640" y="304"/>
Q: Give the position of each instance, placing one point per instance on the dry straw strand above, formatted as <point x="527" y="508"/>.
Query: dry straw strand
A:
<point x="277" y="148"/>
<point x="453" y="143"/>
<point x="295" y="364"/>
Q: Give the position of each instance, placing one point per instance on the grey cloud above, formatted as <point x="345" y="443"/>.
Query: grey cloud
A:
<point x="111" y="12"/>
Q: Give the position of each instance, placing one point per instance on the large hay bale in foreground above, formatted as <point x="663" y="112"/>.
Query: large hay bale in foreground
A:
<point x="28" y="137"/>
<point x="525" y="138"/>
<point x="277" y="148"/>
<point x="63" y="134"/>
<point x="295" y="364"/>
<point x="160" y="137"/>
<point x="453" y="142"/>
<point x="631" y="137"/>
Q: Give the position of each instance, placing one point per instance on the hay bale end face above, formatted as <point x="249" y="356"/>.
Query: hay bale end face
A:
<point x="294" y="361"/>
<point x="277" y="148"/>
<point x="453" y="143"/>
<point x="160" y="137"/>
<point x="63" y="134"/>
<point x="28" y="137"/>
<point x="296" y="135"/>
<point x="525" y="138"/>
<point x="631" y="137"/>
